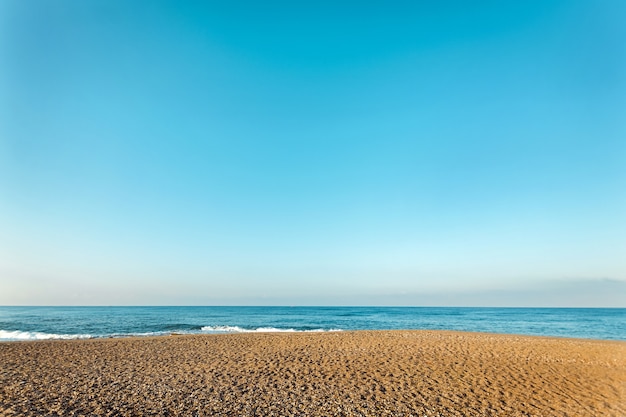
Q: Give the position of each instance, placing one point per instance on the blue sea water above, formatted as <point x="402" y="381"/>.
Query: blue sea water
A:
<point x="34" y="323"/>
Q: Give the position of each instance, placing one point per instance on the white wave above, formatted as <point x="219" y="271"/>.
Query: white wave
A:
<point x="233" y="329"/>
<point x="237" y="329"/>
<point x="324" y="330"/>
<point x="14" y="335"/>
<point x="273" y="329"/>
<point x="18" y="335"/>
<point x="142" y="334"/>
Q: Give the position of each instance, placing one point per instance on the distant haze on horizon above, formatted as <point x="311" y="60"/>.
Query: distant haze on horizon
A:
<point x="313" y="153"/>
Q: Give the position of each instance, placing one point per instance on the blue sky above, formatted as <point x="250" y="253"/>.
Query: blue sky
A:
<point x="465" y="153"/>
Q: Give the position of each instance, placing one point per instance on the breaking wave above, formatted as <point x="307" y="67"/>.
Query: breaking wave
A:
<point x="19" y="335"/>
<point x="237" y="329"/>
<point x="10" y="335"/>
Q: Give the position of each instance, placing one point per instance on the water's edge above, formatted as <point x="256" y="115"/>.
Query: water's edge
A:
<point x="45" y="323"/>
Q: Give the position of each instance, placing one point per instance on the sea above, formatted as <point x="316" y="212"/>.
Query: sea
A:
<point x="39" y="323"/>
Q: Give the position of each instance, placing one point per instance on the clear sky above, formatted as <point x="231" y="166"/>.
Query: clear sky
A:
<point x="322" y="152"/>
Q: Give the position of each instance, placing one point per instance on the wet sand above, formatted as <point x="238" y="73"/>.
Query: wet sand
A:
<point x="383" y="373"/>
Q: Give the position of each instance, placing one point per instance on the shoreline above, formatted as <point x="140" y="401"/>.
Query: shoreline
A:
<point x="283" y="332"/>
<point x="381" y="372"/>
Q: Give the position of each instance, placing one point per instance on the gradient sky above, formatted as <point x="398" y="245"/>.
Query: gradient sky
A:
<point x="414" y="153"/>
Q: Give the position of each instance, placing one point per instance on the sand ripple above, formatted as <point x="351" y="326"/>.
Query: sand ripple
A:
<point x="390" y="373"/>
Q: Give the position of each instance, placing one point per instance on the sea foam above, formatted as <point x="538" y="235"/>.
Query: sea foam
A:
<point x="237" y="329"/>
<point x="10" y="335"/>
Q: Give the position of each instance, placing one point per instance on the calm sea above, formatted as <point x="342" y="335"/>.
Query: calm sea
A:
<point x="31" y="323"/>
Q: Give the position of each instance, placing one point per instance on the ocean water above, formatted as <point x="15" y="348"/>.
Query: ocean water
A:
<point x="36" y="323"/>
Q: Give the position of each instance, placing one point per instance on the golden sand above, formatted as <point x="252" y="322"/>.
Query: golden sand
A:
<point x="381" y="373"/>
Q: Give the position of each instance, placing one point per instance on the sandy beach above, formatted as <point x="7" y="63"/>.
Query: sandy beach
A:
<point x="368" y="373"/>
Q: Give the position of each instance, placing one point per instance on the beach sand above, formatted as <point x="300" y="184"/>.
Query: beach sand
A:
<point x="367" y="373"/>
